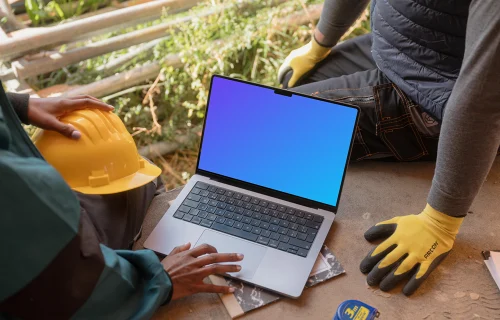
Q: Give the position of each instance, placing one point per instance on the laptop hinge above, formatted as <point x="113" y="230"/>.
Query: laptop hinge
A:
<point x="228" y="182"/>
<point x="325" y="211"/>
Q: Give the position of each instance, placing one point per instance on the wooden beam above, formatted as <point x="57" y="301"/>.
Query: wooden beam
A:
<point x="7" y="74"/>
<point x="11" y="22"/>
<point x="165" y="147"/>
<point x="17" y="6"/>
<point x="129" y="3"/>
<point x="19" y="86"/>
<point x="122" y="60"/>
<point x="115" y="5"/>
<point x="138" y="75"/>
<point x="41" y="37"/>
<point x="56" y="60"/>
<point x="124" y="79"/>
<point x="299" y="18"/>
<point x="83" y="16"/>
<point x="55" y="90"/>
<point x="25" y="19"/>
<point x="3" y="35"/>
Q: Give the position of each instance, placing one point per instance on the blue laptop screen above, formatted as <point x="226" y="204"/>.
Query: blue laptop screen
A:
<point x="295" y="145"/>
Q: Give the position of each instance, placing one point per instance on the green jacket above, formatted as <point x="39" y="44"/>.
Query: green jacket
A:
<point x="51" y="263"/>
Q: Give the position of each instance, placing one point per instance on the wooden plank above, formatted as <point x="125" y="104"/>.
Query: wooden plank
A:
<point x="55" y="91"/>
<point x="84" y="16"/>
<point x="115" y="5"/>
<point x="135" y="76"/>
<point x="57" y="60"/>
<point x="124" y="79"/>
<point x="10" y="23"/>
<point x="122" y="60"/>
<point x="129" y="3"/>
<point x="3" y="35"/>
<point x="165" y="147"/>
<point x="41" y="37"/>
<point x="7" y="74"/>
<point x="299" y="18"/>
<point x="19" y="86"/>
<point x="23" y="17"/>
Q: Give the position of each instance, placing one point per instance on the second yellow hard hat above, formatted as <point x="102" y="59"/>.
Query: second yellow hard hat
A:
<point x="103" y="161"/>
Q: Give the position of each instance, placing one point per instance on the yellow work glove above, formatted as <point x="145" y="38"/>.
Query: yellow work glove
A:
<point x="302" y="60"/>
<point x="415" y="246"/>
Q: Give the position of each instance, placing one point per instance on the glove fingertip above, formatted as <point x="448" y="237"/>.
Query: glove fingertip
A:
<point x="380" y="231"/>
<point x="391" y="280"/>
<point x="407" y="291"/>
<point x="364" y="269"/>
<point x="365" y="266"/>
<point x="414" y="283"/>
<point x="371" y="280"/>
<point x="368" y="262"/>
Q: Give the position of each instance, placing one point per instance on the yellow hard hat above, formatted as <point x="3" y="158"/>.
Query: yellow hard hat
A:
<point x="103" y="161"/>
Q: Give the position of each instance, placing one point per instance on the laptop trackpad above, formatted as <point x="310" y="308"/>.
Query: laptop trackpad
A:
<point x="227" y="244"/>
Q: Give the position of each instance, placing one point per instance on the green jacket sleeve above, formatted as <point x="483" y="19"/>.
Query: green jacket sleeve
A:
<point x="51" y="257"/>
<point x="52" y="265"/>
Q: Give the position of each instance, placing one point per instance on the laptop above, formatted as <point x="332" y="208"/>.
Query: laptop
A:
<point x="268" y="181"/>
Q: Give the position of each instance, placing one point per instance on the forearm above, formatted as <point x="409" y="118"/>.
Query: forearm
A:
<point x="470" y="134"/>
<point x="20" y="104"/>
<point x="336" y="18"/>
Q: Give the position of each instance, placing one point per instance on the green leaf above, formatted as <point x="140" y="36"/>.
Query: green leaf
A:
<point x="58" y="9"/>
<point x="33" y="10"/>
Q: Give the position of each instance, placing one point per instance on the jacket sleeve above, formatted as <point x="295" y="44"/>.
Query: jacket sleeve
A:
<point x="470" y="133"/>
<point x="20" y="104"/>
<point x="52" y="263"/>
<point x="337" y="17"/>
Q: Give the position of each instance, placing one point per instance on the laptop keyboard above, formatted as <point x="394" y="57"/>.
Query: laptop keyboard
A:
<point x="250" y="218"/>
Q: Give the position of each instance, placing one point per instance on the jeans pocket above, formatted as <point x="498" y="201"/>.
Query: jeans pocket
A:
<point x="395" y="125"/>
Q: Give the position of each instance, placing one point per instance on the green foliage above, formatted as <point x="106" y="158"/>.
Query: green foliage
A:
<point x="244" y="39"/>
<point x="42" y="12"/>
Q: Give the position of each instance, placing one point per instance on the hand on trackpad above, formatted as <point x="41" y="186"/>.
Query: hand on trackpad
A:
<point x="226" y="244"/>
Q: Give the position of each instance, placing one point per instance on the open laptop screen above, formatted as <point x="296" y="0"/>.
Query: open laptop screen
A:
<point x="293" y="144"/>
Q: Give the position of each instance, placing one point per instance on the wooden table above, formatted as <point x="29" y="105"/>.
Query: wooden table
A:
<point x="461" y="288"/>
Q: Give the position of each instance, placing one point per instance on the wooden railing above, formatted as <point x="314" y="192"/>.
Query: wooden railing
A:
<point x="34" y="51"/>
<point x="30" y="51"/>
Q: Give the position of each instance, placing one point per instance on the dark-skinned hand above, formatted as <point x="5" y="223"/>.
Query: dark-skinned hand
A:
<point x="46" y="112"/>
<point x="187" y="269"/>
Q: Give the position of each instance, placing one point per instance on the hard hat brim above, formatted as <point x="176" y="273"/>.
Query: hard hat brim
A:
<point x="136" y="180"/>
